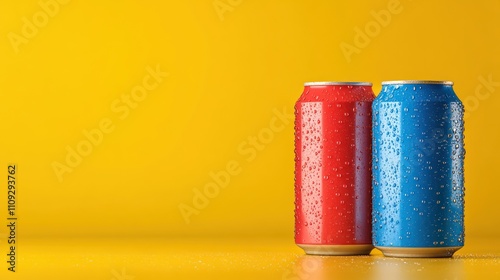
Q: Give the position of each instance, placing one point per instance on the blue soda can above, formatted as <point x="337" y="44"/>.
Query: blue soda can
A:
<point x="418" y="169"/>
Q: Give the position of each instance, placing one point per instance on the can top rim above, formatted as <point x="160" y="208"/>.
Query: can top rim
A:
<point x="417" y="82"/>
<point x="329" y="83"/>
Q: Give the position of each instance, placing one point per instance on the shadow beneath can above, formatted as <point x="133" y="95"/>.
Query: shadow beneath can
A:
<point x="418" y="268"/>
<point x="308" y="267"/>
<point x="329" y="267"/>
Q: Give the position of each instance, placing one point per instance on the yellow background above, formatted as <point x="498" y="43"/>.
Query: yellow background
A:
<point x="229" y="72"/>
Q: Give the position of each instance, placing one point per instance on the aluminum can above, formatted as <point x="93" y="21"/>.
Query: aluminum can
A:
<point x="333" y="168"/>
<point x="418" y="169"/>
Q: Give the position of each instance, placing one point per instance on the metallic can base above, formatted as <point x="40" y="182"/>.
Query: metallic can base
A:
<point x="418" y="252"/>
<point x="336" y="250"/>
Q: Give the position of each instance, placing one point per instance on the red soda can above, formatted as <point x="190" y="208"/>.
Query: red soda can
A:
<point x="333" y="128"/>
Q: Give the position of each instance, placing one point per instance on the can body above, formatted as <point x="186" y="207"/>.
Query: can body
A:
<point x="418" y="169"/>
<point x="333" y="168"/>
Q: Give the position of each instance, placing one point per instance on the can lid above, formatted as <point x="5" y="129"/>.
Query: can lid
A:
<point x="417" y="82"/>
<point x="337" y="84"/>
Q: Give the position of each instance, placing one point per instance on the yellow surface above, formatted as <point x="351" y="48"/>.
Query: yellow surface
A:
<point x="158" y="98"/>
<point x="250" y="258"/>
